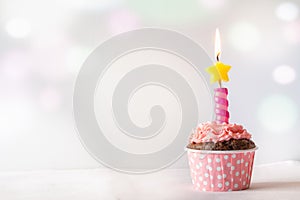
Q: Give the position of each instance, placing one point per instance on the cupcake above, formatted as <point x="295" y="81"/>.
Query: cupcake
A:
<point x="220" y="157"/>
<point x="220" y="153"/>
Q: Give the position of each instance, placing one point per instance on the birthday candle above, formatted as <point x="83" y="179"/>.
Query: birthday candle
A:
<point x="218" y="74"/>
<point x="221" y="105"/>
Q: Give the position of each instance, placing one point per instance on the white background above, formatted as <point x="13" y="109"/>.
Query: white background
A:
<point x="44" y="43"/>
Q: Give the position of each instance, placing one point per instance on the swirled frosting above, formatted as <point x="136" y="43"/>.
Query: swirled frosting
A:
<point x="213" y="132"/>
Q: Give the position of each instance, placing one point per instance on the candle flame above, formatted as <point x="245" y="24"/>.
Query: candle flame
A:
<point x="217" y="44"/>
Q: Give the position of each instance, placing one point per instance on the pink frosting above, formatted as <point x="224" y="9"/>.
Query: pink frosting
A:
<point x="213" y="132"/>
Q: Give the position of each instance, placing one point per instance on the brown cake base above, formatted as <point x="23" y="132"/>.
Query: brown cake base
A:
<point x="232" y="144"/>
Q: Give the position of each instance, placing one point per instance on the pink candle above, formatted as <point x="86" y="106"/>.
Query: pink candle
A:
<point x="221" y="105"/>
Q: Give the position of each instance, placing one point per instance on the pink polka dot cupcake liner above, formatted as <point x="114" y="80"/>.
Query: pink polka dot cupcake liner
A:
<point x="220" y="171"/>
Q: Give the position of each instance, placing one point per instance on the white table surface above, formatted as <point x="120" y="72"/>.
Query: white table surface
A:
<point x="273" y="181"/>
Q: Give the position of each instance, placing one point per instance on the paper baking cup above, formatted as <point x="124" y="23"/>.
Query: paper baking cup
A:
<point x="220" y="171"/>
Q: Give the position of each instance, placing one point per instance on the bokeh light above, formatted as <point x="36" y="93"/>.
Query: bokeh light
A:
<point x="287" y="11"/>
<point x="284" y="74"/>
<point x="50" y="99"/>
<point x="18" y="28"/>
<point x="122" y="21"/>
<point x="244" y="36"/>
<point x="291" y="32"/>
<point x="15" y="66"/>
<point x="49" y="55"/>
<point x="278" y="113"/>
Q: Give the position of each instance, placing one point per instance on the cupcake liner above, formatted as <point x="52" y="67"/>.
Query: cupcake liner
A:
<point x="220" y="171"/>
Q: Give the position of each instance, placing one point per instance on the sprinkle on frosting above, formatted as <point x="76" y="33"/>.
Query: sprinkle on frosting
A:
<point x="213" y="132"/>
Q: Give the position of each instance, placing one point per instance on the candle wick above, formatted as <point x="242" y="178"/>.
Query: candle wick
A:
<point x="220" y="82"/>
<point x="218" y="54"/>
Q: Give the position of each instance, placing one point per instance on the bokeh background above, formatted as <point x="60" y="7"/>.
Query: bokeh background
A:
<point x="44" y="43"/>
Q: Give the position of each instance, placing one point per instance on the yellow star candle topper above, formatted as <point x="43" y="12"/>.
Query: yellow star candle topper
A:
<point x="218" y="72"/>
